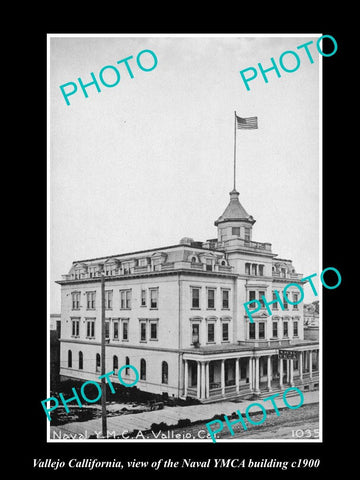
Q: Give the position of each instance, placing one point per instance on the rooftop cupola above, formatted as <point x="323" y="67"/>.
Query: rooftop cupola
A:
<point x="235" y="222"/>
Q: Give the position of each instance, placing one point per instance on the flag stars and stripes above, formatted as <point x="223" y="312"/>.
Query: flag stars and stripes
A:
<point x="249" y="122"/>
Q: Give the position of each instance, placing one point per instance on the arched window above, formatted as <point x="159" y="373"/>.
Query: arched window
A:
<point x="69" y="358"/>
<point x="127" y="362"/>
<point x="193" y="259"/>
<point x="98" y="362"/>
<point x="115" y="363"/>
<point x="81" y="361"/>
<point x="142" y="369"/>
<point x="164" y="372"/>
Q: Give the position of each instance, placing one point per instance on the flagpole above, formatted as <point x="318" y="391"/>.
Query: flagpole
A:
<point x="234" y="149"/>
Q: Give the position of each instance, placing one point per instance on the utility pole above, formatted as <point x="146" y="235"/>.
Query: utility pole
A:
<point x="103" y="361"/>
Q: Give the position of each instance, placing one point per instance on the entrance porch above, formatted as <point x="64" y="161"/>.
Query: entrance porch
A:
<point x="257" y="373"/>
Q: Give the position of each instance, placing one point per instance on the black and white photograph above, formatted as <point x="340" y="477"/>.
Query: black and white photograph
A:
<point x="191" y="285"/>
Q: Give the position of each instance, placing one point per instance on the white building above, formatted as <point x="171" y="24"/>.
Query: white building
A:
<point x="176" y="314"/>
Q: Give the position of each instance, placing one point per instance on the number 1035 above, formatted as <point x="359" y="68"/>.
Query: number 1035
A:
<point x="305" y="433"/>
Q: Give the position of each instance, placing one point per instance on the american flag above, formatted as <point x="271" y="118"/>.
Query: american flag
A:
<point x="250" y="122"/>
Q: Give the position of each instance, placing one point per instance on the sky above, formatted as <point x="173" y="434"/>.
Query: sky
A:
<point x="150" y="160"/>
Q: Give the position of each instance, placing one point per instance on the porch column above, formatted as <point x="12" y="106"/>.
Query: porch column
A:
<point x="207" y="389"/>
<point x="257" y="375"/>
<point x="281" y="372"/>
<point x="202" y="369"/>
<point x="222" y="377"/>
<point x="250" y="374"/>
<point x="291" y="361"/>
<point x="287" y="371"/>
<point x="186" y="378"/>
<point x="198" y="381"/>
<point x="269" y="373"/>
<point x="310" y="364"/>
<point x="237" y="360"/>
<point x="301" y="356"/>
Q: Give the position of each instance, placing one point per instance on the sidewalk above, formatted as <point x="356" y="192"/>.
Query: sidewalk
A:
<point x="124" y="424"/>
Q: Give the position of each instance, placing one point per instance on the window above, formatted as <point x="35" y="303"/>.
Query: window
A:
<point x="154" y="294"/>
<point x="252" y="295"/>
<point x="153" y="330"/>
<point x="254" y="269"/>
<point x="261" y="300"/>
<point x="164" y="372"/>
<point x="116" y="330"/>
<point x="142" y="331"/>
<point x="225" y="332"/>
<point x="295" y="300"/>
<point x="78" y="273"/>
<point x="209" y="264"/>
<point x="142" y="369"/>
<point x="125" y="299"/>
<point x="252" y="331"/>
<point x="90" y="300"/>
<point x="210" y="298"/>
<point x="109" y="299"/>
<point x="247" y="268"/>
<point x="211" y="332"/>
<point x="115" y="364"/>
<point x="285" y="329"/>
<point x="235" y="231"/>
<point x="91" y="271"/>
<point x="225" y="298"/>
<point x="195" y="297"/>
<point x="261" y="270"/>
<point x="261" y="330"/>
<point x="296" y="330"/>
<point x="274" y="329"/>
<point x="286" y="305"/>
<point x="125" y="330"/>
<point x="69" y="358"/>
<point x="247" y="234"/>
<point x="243" y="370"/>
<point x="126" y="267"/>
<point x="90" y="328"/>
<point x="275" y="305"/>
<point x="143" y="298"/>
<point x="98" y="362"/>
<point x="75" y="299"/>
<point x="107" y="329"/>
<point x="127" y="362"/>
<point x="195" y="331"/>
<point x="81" y="361"/>
<point x="75" y="327"/>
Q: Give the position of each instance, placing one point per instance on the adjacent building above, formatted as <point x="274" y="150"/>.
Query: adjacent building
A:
<point x="311" y="320"/>
<point x="176" y="314"/>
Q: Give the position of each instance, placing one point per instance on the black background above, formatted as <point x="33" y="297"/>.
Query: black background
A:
<point x="28" y="217"/>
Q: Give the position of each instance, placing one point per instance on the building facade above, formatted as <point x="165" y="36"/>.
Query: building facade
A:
<point x="176" y="314"/>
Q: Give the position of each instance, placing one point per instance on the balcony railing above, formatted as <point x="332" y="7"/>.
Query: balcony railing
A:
<point x="295" y="276"/>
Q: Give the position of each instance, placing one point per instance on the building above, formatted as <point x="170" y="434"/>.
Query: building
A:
<point x="311" y="320"/>
<point x="55" y="334"/>
<point x="176" y="314"/>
